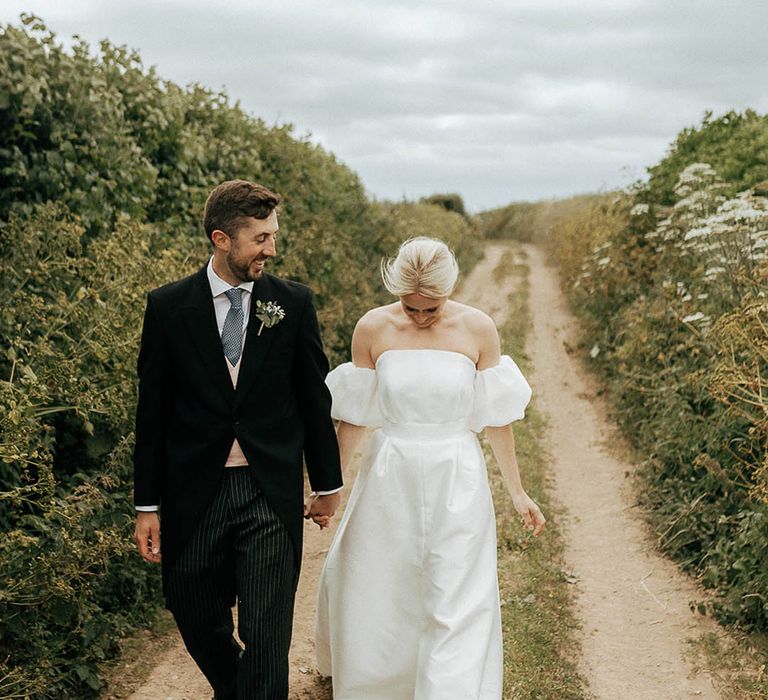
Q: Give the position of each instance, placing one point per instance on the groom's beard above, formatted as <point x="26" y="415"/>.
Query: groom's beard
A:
<point x="245" y="270"/>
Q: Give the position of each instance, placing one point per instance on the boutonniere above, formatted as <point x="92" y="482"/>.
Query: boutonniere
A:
<point x="270" y="314"/>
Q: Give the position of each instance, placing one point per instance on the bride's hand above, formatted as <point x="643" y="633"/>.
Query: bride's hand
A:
<point x="531" y="514"/>
<point x="320" y="509"/>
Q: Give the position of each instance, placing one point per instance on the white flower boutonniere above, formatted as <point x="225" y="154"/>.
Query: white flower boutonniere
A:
<point x="270" y="314"/>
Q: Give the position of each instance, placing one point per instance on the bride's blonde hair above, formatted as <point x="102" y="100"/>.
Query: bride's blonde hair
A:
<point x="422" y="265"/>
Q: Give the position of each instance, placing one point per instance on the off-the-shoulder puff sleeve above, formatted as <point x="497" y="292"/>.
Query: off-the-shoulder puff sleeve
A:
<point x="355" y="395"/>
<point x="501" y="395"/>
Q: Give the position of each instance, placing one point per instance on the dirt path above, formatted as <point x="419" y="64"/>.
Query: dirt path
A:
<point x="633" y="603"/>
<point x="482" y="291"/>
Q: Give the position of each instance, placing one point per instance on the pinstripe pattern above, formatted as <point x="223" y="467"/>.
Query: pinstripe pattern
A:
<point x="240" y="549"/>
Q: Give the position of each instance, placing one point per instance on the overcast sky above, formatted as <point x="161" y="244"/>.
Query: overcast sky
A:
<point x="499" y="100"/>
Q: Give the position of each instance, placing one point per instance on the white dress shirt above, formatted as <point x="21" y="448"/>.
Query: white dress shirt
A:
<point x="221" y="303"/>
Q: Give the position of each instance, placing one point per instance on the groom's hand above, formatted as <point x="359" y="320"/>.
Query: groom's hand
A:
<point x="322" y="508"/>
<point x="148" y="536"/>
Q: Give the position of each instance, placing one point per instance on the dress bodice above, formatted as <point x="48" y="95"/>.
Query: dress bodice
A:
<point x="417" y="386"/>
<point x="428" y="387"/>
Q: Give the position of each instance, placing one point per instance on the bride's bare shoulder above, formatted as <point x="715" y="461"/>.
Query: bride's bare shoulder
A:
<point x="481" y="328"/>
<point x="475" y="320"/>
<point x="374" y="319"/>
<point x="367" y="330"/>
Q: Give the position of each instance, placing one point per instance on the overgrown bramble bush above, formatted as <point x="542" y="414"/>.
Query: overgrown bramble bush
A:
<point x="734" y="144"/>
<point x="672" y="306"/>
<point x="64" y="134"/>
<point x="106" y="168"/>
<point x="70" y="322"/>
<point x="741" y="382"/>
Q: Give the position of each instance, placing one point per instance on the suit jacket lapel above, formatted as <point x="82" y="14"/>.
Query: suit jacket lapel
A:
<point x="256" y="346"/>
<point x="200" y="318"/>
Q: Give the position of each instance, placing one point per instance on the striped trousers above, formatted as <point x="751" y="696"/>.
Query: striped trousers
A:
<point x="239" y="550"/>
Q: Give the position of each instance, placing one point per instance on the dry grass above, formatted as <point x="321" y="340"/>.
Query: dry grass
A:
<point x="737" y="662"/>
<point x="137" y="658"/>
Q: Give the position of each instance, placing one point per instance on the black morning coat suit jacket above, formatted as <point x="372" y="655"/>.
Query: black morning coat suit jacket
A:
<point x="189" y="413"/>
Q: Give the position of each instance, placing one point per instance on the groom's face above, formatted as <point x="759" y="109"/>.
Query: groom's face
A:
<point x="251" y="247"/>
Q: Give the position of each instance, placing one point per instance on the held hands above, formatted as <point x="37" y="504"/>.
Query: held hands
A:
<point x="320" y="509"/>
<point x="529" y="512"/>
<point x="148" y="536"/>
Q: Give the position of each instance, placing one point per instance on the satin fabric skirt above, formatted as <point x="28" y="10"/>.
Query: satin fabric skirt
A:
<point x="408" y="604"/>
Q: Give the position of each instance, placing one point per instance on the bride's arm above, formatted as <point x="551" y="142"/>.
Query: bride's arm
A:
<point x="502" y="441"/>
<point x="351" y="438"/>
<point x="502" y="438"/>
<point x="321" y="508"/>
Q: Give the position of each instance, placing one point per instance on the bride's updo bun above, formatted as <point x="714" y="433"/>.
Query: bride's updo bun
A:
<point x="423" y="266"/>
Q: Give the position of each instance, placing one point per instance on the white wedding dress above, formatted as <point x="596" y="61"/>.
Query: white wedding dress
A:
<point x="408" y="606"/>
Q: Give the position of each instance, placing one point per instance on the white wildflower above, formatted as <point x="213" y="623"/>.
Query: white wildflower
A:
<point x="696" y="171"/>
<point x="741" y="208"/>
<point x="707" y="229"/>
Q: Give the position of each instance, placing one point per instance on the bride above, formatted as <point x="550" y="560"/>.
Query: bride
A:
<point x="409" y="602"/>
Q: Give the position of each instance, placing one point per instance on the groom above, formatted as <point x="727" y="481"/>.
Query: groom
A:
<point x="231" y="396"/>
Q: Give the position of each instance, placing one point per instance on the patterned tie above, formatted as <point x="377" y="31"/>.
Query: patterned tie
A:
<point x="232" y="334"/>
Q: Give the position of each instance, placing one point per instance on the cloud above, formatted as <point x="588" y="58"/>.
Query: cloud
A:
<point x="498" y="100"/>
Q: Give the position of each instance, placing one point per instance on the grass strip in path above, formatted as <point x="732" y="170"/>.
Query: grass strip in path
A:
<point x="541" y="631"/>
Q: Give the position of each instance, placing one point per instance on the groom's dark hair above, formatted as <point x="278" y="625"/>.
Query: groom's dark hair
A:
<point x="232" y="201"/>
